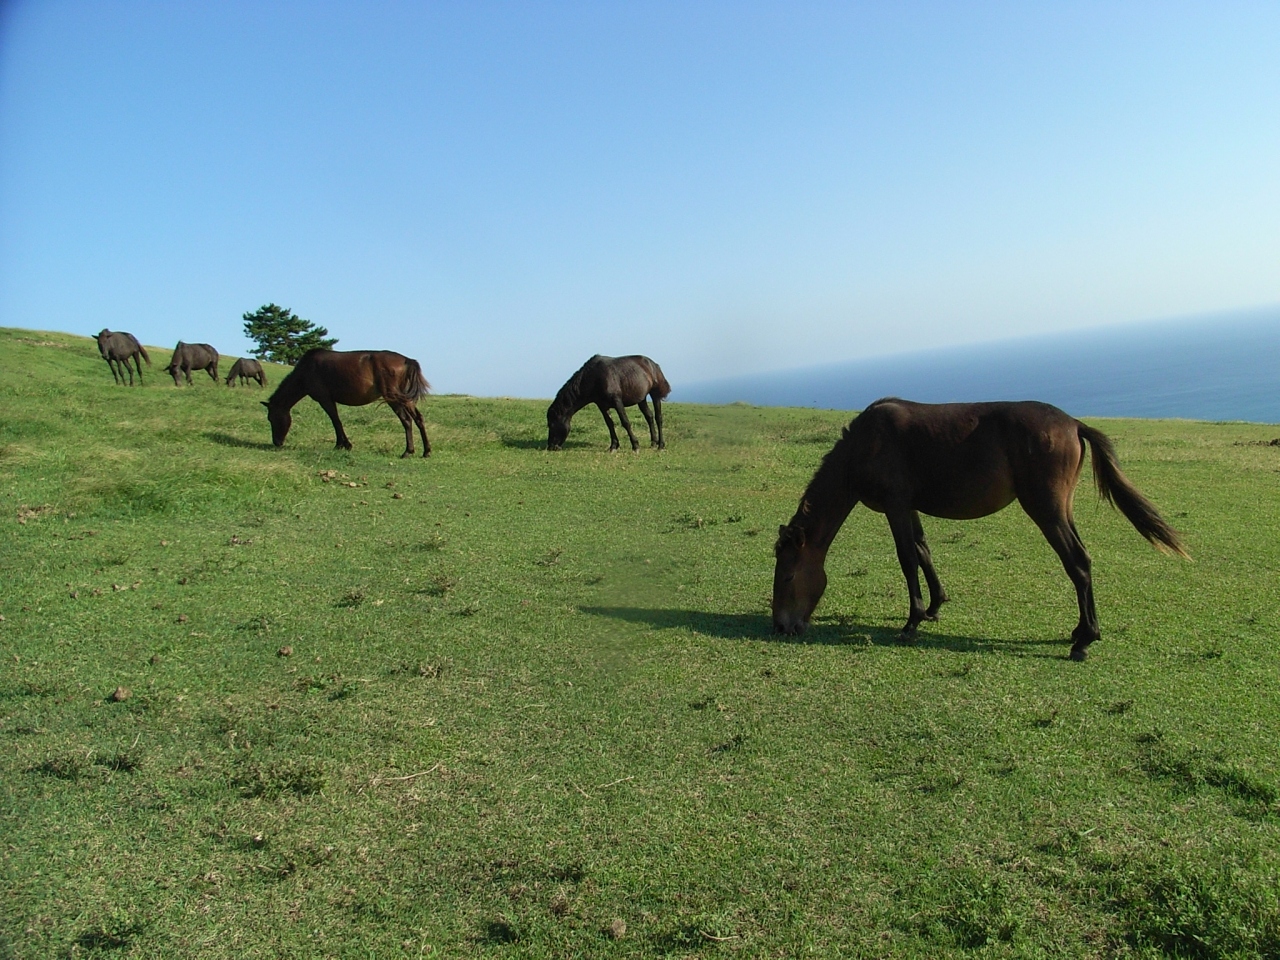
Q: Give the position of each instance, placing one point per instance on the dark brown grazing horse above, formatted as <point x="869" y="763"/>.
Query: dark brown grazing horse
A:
<point x="117" y="349"/>
<point x="247" y="368"/>
<point x="352" y="378"/>
<point x="611" y="383"/>
<point x="193" y="356"/>
<point x="960" y="461"/>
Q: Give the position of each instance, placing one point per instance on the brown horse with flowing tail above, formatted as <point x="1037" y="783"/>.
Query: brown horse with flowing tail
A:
<point x="611" y="383"/>
<point x="352" y="378"/>
<point x="959" y="461"/>
<point x="118" y="349"/>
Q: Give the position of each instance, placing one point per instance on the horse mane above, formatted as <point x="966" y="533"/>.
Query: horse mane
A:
<point x="832" y="482"/>
<point x="295" y="374"/>
<point x="566" y="401"/>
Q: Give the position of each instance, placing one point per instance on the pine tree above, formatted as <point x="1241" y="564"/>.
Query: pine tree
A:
<point x="283" y="337"/>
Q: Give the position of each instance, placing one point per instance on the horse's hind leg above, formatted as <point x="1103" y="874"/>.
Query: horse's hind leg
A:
<point x="648" y="418"/>
<point x="1060" y="530"/>
<point x="937" y="595"/>
<point x="626" y="424"/>
<point x="422" y="428"/>
<point x="406" y="421"/>
<point x="130" y="369"/>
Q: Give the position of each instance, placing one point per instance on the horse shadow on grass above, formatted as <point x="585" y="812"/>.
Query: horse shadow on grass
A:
<point x="226" y="440"/>
<point x="824" y="631"/>
<point x="523" y="443"/>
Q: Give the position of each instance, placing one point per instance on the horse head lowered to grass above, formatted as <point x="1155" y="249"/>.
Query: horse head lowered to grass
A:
<point x="352" y="378"/>
<point x="611" y="383"/>
<point x="959" y="461"/>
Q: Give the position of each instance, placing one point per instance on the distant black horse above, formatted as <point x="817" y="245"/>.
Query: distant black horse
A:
<point x="193" y="356"/>
<point x="247" y="368"/>
<point x="117" y="349"/>
<point x="611" y="383"/>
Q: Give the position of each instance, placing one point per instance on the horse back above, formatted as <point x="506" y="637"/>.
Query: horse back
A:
<point x="964" y="460"/>
<point x="632" y="378"/>
<point x="357" y="377"/>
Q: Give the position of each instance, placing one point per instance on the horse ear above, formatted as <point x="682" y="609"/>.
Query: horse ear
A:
<point x="790" y="536"/>
<point x="265" y="404"/>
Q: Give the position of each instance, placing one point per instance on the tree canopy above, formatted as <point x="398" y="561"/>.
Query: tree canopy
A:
<point x="282" y="336"/>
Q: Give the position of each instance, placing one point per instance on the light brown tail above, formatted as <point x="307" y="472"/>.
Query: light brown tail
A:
<point x="1115" y="488"/>
<point x="412" y="385"/>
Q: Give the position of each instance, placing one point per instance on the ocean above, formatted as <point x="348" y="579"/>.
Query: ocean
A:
<point x="1208" y="368"/>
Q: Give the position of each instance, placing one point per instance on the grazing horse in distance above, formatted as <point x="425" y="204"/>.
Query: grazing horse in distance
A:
<point x="959" y="461"/>
<point x="193" y="356"/>
<point x="117" y="349"/>
<point x="352" y="378"/>
<point x="247" y="368"/>
<point x="611" y="383"/>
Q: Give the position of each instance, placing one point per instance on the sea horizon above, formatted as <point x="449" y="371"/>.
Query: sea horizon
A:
<point x="1222" y="367"/>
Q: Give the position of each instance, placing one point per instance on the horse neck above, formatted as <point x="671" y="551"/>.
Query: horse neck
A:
<point x="292" y="389"/>
<point x="568" y="401"/>
<point x="828" y="500"/>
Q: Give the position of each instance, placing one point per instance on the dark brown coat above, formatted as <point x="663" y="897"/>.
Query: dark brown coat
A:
<point x="959" y="461"/>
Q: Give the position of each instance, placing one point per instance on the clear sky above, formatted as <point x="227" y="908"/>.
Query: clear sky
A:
<point x="503" y="189"/>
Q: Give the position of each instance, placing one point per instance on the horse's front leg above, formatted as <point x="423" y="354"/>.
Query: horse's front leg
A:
<point x="613" y="434"/>
<point x="626" y="424"/>
<point x="331" y="408"/>
<point x="657" y="415"/>
<point x="937" y="595"/>
<point x="909" y="559"/>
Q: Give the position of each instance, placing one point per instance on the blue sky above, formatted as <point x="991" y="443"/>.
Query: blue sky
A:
<point x="503" y="189"/>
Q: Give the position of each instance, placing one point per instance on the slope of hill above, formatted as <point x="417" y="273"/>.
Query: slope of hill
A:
<point x="299" y="702"/>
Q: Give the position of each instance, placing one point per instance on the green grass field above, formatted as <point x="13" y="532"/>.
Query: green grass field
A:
<point x="531" y="706"/>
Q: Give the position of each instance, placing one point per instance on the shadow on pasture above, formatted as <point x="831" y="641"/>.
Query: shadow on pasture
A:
<point x="825" y="631"/>
<point x="226" y="440"/>
<point x="523" y="443"/>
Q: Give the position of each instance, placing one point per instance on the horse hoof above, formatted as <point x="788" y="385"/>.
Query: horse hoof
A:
<point x="1078" y="654"/>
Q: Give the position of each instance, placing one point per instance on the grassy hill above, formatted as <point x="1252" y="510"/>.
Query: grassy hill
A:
<point x="520" y="704"/>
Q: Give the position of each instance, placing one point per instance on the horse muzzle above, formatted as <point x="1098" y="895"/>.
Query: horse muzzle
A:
<point x="792" y="626"/>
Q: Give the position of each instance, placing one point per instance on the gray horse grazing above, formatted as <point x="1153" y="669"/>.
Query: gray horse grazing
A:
<point x="193" y="356"/>
<point x="247" y="368"/>
<point x="117" y="349"/>
<point x="611" y="383"/>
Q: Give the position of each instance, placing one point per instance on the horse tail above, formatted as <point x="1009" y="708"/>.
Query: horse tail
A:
<point x="413" y="383"/>
<point x="410" y="385"/>
<point x="1115" y="488"/>
<point x="660" y="387"/>
<point x="143" y="350"/>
